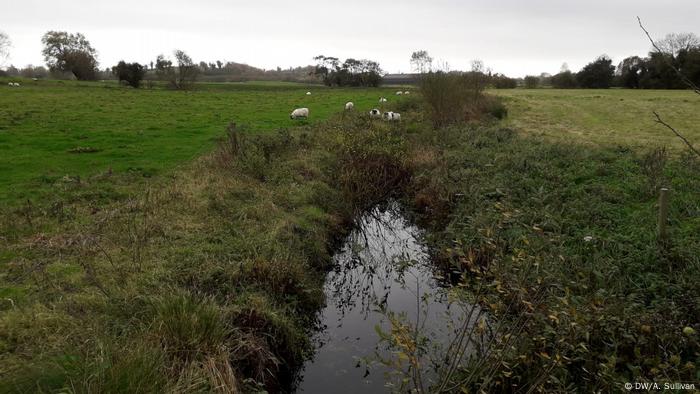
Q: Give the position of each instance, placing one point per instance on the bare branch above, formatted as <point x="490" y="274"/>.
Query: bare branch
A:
<point x="661" y="122"/>
<point x="683" y="78"/>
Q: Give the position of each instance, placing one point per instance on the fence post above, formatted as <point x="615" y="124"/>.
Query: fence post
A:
<point x="663" y="213"/>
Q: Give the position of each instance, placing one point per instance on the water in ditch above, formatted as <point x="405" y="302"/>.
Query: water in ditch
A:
<point x="382" y="270"/>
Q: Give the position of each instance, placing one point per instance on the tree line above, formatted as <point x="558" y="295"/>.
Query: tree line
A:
<point x="72" y="55"/>
<point x="658" y="70"/>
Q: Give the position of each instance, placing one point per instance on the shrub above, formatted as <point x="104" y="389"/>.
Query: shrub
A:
<point x="531" y="82"/>
<point x="132" y="73"/>
<point x="501" y="81"/>
<point x="453" y="97"/>
<point x="564" y="80"/>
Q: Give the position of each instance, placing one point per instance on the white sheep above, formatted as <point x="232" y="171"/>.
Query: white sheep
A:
<point x="308" y="93"/>
<point x="299" y="113"/>
<point x="391" y="116"/>
<point x="399" y="93"/>
<point x="349" y="105"/>
<point x="10" y="84"/>
<point x="17" y="84"/>
<point x="375" y="113"/>
<point x="35" y="79"/>
<point x="382" y="99"/>
<point x="406" y="92"/>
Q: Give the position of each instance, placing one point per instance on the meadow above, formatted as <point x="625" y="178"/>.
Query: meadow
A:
<point x="604" y="117"/>
<point x="55" y="129"/>
<point x="197" y="263"/>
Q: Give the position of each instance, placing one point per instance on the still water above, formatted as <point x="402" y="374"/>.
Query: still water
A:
<point x="382" y="266"/>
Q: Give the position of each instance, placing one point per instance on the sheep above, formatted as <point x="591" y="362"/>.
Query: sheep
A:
<point x="349" y="105"/>
<point x="299" y="113"/>
<point x="17" y="84"/>
<point x="10" y="84"/>
<point x="308" y="93"/>
<point x="406" y="92"/>
<point x="35" y="79"/>
<point x="375" y="113"/>
<point x="391" y="116"/>
<point x="382" y="99"/>
<point x="399" y="93"/>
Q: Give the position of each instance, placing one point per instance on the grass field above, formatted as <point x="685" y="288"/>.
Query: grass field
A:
<point x="50" y="129"/>
<point x="604" y="117"/>
<point x="198" y="265"/>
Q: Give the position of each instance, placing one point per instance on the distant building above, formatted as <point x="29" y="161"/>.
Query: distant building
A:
<point x="401" y="79"/>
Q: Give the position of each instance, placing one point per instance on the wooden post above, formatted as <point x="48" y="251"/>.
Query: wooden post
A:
<point x="663" y="213"/>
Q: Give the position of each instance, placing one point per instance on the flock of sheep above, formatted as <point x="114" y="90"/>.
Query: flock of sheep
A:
<point x="374" y="113"/>
<point x="13" y="84"/>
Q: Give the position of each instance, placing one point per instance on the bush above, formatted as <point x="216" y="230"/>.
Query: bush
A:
<point x="132" y="73"/>
<point x="564" y="80"/>
<point x="500" y="81"/>
<point x="531" y="82"/>
<point x="453" y="97"/>
<point x="495" y="107"/>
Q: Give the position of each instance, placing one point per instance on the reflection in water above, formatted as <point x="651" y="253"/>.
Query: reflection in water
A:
<point x="382" y="266"/>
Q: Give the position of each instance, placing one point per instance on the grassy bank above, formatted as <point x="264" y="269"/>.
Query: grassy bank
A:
<point x="558" y="243"/>
<point x="207" y="280"/>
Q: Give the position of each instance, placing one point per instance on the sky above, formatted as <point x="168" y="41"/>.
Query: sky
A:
<point x="515" y="37"/>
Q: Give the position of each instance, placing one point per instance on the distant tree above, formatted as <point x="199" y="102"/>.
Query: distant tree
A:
<point x="33" y="72"/>
<point x="165" y="70"/>
<point x="629" y="72"/>
<point x="421" y="61"/>
<point x="531" y="82"/>
<point x="181" y="76"/>
<point x="500" y="81"/>
<point x="598" y="74"/>
<point x="478" y="66"/>
<point x="5" y="44"/>
<point x="352" y="72"/>
<point x="564" y="67"/>
<point x="131" y="73"/>
<point x="674" y="43"/>
<point x="564" y="80"/>
<point x="187" y="70"/>
<point x="12" y="71"/>
<point x="64" y="52"/>
<point x="219" y="64"/>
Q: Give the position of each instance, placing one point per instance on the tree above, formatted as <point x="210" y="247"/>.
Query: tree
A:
<point x="564" y="80"/>
<point x="674" y="43"/>
<point x="501" y="81"/>
<point x="531" y="82"/>
<point x="352" y="72"/>
<point x="421" y="62"/>
<point x="164" y="69"/>
<point x="5" y="44"/>
<point x="186" y="69"/>
<point x="132" y="73"/>
<point x="598" y="74"/>
<point x="629" y="72"/>
<point x="72" y="53"/>
<point x="181" y="77"/>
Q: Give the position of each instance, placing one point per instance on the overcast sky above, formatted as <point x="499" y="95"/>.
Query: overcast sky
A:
<point x="515" y="37"/>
